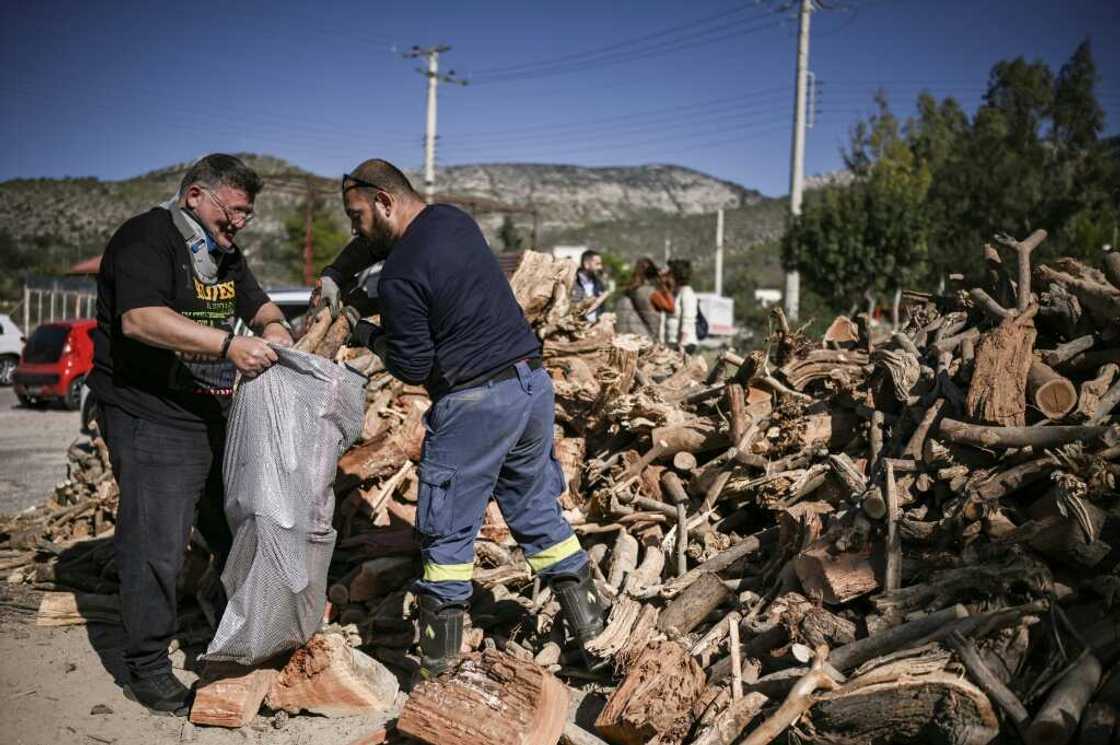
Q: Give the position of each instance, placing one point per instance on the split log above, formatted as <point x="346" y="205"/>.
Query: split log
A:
<point x="835" y="578"/>
<point x="492" y="699"/>
<point x="1056" y="722"/>
<point x="846" y="367"/>
<point x="997" y="392"/>
<point x="661" y="686"/>
<point x="316" y="330"/>
<point x="842" y="332"/>
<point x="1093" y="390"/>
<point x="328" y="677"/>
<point x="892" y="705"/>
<point x="1051" y="393"/>
<point x="982" y="436"/>
<point x="893" y="579"/>
<point x="77" y="608"/>
<point x="693" y="605"/>
<point x="624" y="559"/>
<point x="731" y="722"/>
<point x="230" y="695"/>
<point x="335" y="337"/>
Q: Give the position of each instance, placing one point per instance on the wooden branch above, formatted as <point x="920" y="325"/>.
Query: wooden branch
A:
<point x="719" y="562"/>
<point x="1064" y="352"/>
<point x="989" y="683"/>
<point x="983" y="436"/>
<point x="693" y="605"/>
<point x="1024" y="248"/>
<point x="893" y="579"/>
<point x="914" y="445"/>
<point x="890" y="640"/>
<point x="985" y="302"/>
<point x="624" y="559"/>
<point x="675" y="489"/>
<point x="799" y="700"/>
<point x="736" y="659"/>
<point x="1107" y="403"/>
<point x="1101" y="300"/>
<point x="1056" y="722"/>
<point x="736" y="400"/>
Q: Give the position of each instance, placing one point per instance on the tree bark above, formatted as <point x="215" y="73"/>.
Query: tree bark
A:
<point x="996" y="394"/>
<point x="493" y="699"/>
<point x="1016" y="437"/>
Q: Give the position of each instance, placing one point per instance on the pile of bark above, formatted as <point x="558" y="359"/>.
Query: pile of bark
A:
<point x="907" y="536"/>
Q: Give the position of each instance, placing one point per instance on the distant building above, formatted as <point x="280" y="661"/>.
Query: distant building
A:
<point x="767" y="297"/>
<point x="569" y="252"/>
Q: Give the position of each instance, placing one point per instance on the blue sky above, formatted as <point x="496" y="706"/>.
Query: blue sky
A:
<point x="114" y="89"/>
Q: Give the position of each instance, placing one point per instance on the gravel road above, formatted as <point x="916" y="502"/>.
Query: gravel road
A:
<point x="33" y="446"/>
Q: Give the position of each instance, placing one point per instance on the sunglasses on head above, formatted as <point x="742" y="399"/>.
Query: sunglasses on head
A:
<point x="350" y="181"/>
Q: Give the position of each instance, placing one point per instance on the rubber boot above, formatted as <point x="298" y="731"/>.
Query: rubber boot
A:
<point x="579" y="602"/>
<point x="441" y="635"/>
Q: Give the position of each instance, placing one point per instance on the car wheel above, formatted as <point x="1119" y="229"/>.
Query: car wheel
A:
<point x="28" y="402"/>
<point x="7" y="369"/>
<point x="72" y="401"/>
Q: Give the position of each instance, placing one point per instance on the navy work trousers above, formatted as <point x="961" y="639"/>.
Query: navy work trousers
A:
<point x="492" y="440"/>
<point x="165" y="474"/>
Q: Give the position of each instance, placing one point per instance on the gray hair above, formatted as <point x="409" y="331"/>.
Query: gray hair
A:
<point x="218" y="169"/>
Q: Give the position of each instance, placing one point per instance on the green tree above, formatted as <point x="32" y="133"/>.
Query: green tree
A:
<point x="871" y="236"/>
<point x="510" y="236"/>
<point x="327" y="239"/>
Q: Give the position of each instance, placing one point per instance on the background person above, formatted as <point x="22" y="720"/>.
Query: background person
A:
<point x="589" y="282"/>
<point x="171" y="283"/>
<point x="681" y="328"/>
<point x="634" y="311"/>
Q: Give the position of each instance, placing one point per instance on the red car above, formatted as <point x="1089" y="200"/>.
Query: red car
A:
<point x="54" y="363"/>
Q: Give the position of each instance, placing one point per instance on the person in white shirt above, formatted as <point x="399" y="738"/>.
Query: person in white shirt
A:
<point x="681" y="331"/>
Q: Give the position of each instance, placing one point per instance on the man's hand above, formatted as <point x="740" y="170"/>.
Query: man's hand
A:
<point x="251" y="355"/>
<point x="275" y="333"/>
<point x="364" y="334"/>
<point x="326" y="291"/>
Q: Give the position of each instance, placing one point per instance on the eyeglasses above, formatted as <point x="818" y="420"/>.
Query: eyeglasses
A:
<point x="239" y="217"/>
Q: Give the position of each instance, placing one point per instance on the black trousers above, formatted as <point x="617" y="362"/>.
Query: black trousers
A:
<point x="166" y="475"/>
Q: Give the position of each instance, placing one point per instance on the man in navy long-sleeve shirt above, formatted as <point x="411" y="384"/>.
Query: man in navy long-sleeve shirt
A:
<point x="451" y="323"/>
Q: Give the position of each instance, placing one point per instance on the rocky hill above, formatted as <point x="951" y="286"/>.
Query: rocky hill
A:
<point x="69" y="219"/>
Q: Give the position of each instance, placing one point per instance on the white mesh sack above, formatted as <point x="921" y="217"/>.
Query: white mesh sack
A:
<point x="287" y="429"/>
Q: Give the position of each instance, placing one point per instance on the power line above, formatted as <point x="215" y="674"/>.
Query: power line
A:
<point x="580" y="56"/>
<point x="687" y="42"/>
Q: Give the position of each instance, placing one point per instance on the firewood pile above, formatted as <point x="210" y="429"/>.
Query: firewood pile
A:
<point x="879" y="536"/>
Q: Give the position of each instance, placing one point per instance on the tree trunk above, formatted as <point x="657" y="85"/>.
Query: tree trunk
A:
<point x="997" y="393"/>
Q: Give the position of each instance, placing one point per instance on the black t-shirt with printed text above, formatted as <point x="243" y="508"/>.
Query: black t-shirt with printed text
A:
<point x="148" y="264"/>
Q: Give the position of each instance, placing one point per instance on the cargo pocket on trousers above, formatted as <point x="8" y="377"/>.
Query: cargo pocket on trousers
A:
<point x="433" y="503"/>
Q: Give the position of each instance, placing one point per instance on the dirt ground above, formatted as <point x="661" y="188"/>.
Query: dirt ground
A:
<point x="33" y="446"/>
<point x="55" y="682"/>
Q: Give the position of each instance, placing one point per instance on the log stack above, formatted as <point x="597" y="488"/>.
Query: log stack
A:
<point x="905" y="535"/>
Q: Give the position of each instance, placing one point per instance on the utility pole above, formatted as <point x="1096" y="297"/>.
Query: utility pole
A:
<point x="719" y="252"/>
<point x="434" y="78"/>
<point x="797" y="157"/>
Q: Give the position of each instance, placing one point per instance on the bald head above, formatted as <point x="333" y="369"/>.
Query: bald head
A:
<point x="380" y="175"/>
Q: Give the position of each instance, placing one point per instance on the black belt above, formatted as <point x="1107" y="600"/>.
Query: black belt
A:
<point x="505" y="373"/>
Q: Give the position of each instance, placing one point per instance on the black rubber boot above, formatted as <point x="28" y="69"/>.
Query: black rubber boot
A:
<point x="162" y="694"/>
<point x="441" y="635"/>
<point x="579" y="601"/>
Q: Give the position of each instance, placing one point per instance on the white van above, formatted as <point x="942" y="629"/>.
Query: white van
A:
<point x="11" y="345"/>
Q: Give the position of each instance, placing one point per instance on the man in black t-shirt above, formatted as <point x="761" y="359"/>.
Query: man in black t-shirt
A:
<point x="171" y="285"/>
<point x="452" y="324"/>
